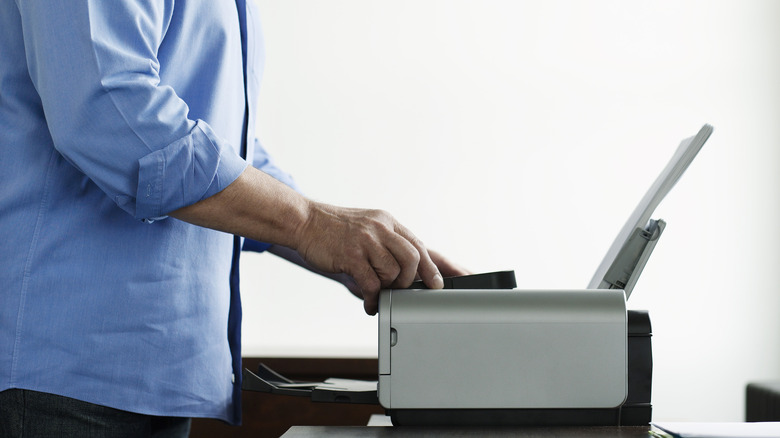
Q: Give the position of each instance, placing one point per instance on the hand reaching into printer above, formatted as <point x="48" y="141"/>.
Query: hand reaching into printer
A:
<point x="446" y="267"/>
<point x="369" y="246"/>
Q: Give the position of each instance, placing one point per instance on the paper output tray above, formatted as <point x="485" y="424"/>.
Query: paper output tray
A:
<point x="329" y="391"/>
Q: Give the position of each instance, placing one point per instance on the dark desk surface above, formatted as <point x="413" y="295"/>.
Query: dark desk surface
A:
<point x="420" y="432"/>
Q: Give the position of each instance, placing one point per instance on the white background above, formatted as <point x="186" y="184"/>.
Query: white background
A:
<point x="520" y="135"/>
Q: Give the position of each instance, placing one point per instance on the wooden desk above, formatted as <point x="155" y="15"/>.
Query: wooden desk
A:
<point x="420" y="432"/>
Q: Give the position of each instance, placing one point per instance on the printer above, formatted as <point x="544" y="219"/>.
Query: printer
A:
<point x="481" y="352"/>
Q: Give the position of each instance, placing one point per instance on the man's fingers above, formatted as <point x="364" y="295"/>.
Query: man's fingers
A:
<point x="426" y="268"/>
<point x="371" y="303"/>
<point x="394" y="265"/>
<point x="386" y="265"/>
<point x="369" y="284"/>
<point x="429" y="273"/>
<point x="407" y="258"/>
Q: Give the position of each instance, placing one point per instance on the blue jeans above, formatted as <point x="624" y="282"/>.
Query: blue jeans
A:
<point x="33" y="414"/>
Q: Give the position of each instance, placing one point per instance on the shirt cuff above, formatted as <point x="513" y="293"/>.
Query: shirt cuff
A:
<point x="186" y="171"/>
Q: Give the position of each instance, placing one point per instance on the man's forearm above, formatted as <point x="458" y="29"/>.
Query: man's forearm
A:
<point x="256" y="206"/>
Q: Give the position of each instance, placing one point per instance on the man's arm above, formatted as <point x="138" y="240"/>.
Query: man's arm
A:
<point x="368" y="245"/>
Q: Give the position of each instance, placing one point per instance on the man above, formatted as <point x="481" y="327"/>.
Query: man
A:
<point x="125" y="131"/>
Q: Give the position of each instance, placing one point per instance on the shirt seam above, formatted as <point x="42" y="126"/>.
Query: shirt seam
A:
<point x="161" y="165"/>
<point x="42" y="208"/>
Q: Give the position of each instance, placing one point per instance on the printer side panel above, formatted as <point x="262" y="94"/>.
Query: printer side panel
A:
<point x="494" y="349"/>
<point x="385" y="310"/>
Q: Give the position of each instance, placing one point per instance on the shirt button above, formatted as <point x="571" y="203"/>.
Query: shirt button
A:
<point x="233" y="378"/>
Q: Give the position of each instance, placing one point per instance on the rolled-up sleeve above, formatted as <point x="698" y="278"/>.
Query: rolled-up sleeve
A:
<point x="95" y="66"/>
<point x="187" y="169"/>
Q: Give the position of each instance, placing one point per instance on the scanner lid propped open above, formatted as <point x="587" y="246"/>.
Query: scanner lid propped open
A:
<point x="625" y="259"/>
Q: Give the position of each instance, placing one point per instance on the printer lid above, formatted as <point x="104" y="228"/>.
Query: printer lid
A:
<point x="625" y="259"/>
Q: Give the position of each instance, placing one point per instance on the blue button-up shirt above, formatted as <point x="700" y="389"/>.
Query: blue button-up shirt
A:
<point x="112" y="114"/>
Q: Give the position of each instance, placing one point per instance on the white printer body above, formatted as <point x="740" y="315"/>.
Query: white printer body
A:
<point x="506" y="356"/>
<point x="502" y="349"/>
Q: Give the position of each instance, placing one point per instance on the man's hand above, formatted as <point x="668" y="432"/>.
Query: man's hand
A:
<point x="446" y="267"/>
<point x="368" y="245"/>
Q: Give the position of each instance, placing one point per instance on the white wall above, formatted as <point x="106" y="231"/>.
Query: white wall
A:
<point x="520" y="135"/>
